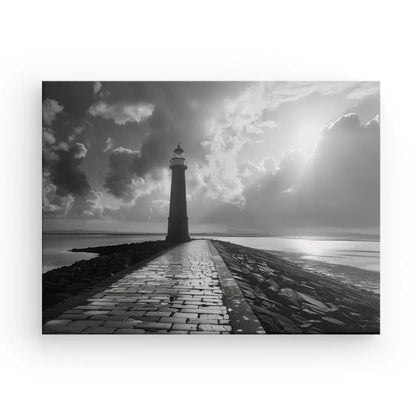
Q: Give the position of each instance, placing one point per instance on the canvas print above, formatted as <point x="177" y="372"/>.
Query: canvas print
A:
<point x="211" y="207"/>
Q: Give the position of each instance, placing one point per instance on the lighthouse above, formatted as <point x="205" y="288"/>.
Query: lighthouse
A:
<point x="178" y="217"/>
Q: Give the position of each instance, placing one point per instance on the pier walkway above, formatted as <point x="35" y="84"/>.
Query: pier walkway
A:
<point x="186" y="290"/>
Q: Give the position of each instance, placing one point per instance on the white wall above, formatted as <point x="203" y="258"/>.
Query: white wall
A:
<point x="131" y="40"/>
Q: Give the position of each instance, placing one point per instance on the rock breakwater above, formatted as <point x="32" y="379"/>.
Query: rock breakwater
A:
<point x="60" y="284"/>
<point x="289" y="300"/>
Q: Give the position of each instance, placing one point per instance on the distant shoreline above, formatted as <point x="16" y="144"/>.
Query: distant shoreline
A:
<point x="343" y="237"/>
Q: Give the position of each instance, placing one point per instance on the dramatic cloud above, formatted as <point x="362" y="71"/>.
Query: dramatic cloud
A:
<point x="260" y="156"/>
<point x="123" y="180"/>
<point x="67" y="175"/>
<point x="94" y="207"/>
<point x="122" y="113"/>
<point x="251" y="172"/>
<point x="339" y="186"/>
<point x="52" y="203"/>
<point x="180" y="114"/>
<point x="244" y="121"/>
<point x="80" y="151"/>
<point x="97" y="87"/>
<point x="61" y="163"/>
<point x="50" y="108"/>
<point x="47" y="136"/>
<point x="90" y="206"/>
<point x="109" y="144"/>
<point x="276" y="183"/>
<point x="366" y="108"/>
<point x="241" y="122"/>
<point x="343" y="185"/>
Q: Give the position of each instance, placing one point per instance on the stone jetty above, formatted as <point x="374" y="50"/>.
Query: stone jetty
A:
<point x="65" y="282"/>
<point x="213" y="287"/>
<point x="186" y="290"/>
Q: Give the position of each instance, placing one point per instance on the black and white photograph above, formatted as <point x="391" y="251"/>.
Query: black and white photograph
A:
<point x="211" y="207"/>
<point x="207" y="208"/>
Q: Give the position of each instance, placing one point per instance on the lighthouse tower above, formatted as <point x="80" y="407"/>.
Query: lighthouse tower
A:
<point x="178" y="217"/>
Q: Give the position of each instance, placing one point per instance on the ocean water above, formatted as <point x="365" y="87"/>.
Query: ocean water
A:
<point x="55" y="247"/>
<point x="363" y="254"/>
<point x="309" y="251"/>
<point x="353" y="262"/>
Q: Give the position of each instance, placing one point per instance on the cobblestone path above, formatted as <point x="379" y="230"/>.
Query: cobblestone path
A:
<point x="179" y="292"/>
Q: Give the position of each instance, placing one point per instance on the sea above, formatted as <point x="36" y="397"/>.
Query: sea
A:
<point x="352" y="260"/>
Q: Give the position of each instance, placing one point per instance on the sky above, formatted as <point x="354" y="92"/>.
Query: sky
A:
<point x="274" y="158"/>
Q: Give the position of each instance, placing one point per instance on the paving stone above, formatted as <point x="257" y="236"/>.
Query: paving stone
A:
<point x="206" y="321"/>
<point x="86" y="323"/>
<point x="91" y="313"/>
<point x="99" y="330"/>
<point x="173" y="320"/>
<point x="103" y="303"/>
<point x="130" y="331"/>
<point x="118" y="324"/>
<point x="136" y="314"/>
<point x="212" y="315"/>
<point x="71" y="316"/>
<point x="158" y="313"/>
<point x="185" y="315"/>
<point x="185" y="327"/>
<point x="207" y="327"/>
<point x="180" y="287"/>
<point x="147" y="318"/>
<point x="64" y="329"/>
<point x="74" y="311"/>
<point x="100" y="317"/>
<point x="154" y="325"/>
<point x="58" y="322"/>
<point x="92" y="308"/>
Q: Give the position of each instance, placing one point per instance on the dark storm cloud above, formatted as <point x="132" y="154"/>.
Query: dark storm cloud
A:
<point x="48" y="136"/>
<point x="65" y="145"/>
<point x="121" y="113"/>
<point x="62" y="165"/>
<point x="110" y="143"/>
<point x="75" y="97"/>
<point x="179" y="112"/>
<point x="91" y="206"/>
<point x="177" y="117"/>
<point x="53" y="204"/>
<point x="343" y="187"/>
<point x="97" y="87"/>
<point x="120" y="178"/>
<point x="65" y="171"/>
<point x="50" y="109"/>
<point x="165" y="133"/>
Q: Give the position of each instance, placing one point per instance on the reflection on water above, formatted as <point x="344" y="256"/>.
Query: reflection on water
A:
<point x="55" y="250"/>
<point x="361" y="254"/>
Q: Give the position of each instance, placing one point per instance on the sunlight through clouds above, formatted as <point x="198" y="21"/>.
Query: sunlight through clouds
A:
<point x="270" y="154"/>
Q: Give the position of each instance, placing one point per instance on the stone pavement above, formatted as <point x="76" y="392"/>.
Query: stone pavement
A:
<point x="186" y="290"/>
